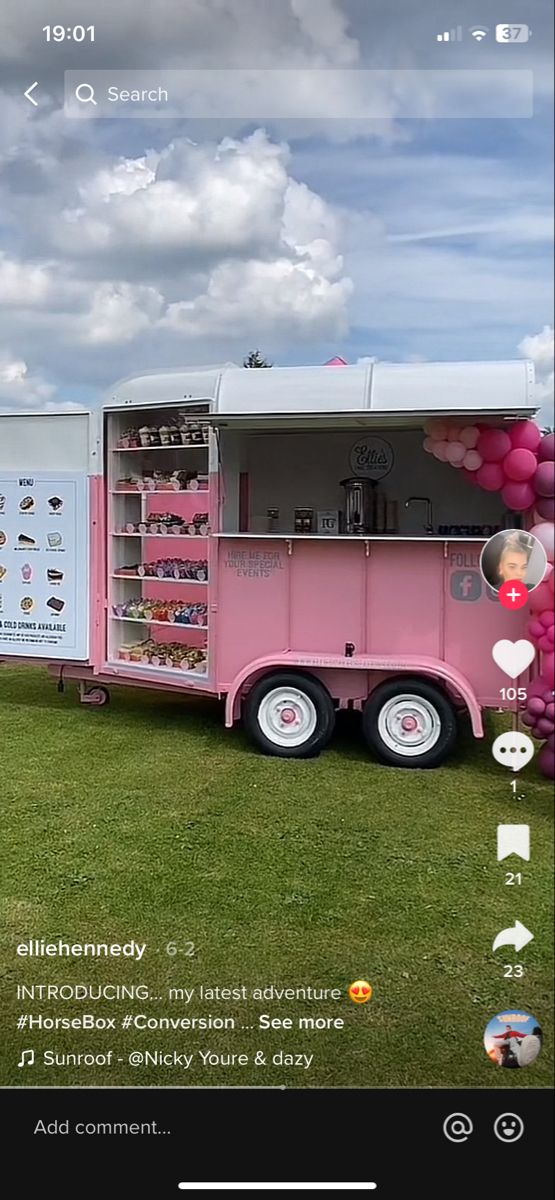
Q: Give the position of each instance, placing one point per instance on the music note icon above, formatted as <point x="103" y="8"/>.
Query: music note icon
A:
<point x="27" y="1058"/>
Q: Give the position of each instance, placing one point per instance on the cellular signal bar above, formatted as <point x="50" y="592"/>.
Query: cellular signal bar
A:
<point x="450" y="35"/>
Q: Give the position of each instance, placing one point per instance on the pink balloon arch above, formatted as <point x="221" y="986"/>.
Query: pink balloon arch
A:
<point x="520" y="464"/>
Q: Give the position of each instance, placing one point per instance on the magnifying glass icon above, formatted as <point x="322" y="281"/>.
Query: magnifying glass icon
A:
<point x="85" y="93"/>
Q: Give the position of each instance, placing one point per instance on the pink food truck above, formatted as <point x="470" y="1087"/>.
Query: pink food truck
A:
<point x="276" y="537"/>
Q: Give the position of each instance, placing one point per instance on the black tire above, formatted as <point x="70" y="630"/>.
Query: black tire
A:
<point x="97" y="697"/>
<point x="305" y="686"/>
<point x="436" y="702"/>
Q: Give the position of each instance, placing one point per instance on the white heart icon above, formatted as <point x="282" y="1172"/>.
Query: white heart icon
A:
<point x="513" y="657"/>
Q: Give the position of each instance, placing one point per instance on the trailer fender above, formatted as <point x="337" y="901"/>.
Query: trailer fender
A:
<point x="453" y="679"/>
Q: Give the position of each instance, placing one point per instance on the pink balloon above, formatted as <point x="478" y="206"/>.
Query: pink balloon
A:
<point x="472" y="460"/>
<point x="439" y="451"/>
<point x="545" y="643"/>
<point x="545" y="534"/>
<point x="544" y="479"/>
<point x="519" y="465"/>
<point x="550" y="711"/>
<point x="490" y="476"/>
<point x="428" y="445"/>
<point x="535" y="630"/>
<point x="536" y="706"/>
<point x="544" y="728"/>
<point x="550" y="635"/>
<point x="525" y="435"/>
<point x="493" y="445"/>
<point x="437" y="430"/>
<point x="546" y="618"/>
<point x="546" y="762"/>
<point x="469" y="436"/>
<point x="454" y="453"/>
<point x="547" y="448"/>
<point x="545" y="508"/>
<point x="540" y="598"/>
<point x="518" y="496"/>
<point x="453" y="433"/>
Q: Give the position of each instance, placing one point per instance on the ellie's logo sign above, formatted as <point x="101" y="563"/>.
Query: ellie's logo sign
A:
<point x="371" y="458"/>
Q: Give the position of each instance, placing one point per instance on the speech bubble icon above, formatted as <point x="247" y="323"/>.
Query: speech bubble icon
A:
<point x="513" y="657"/>
<point x="513" y="750"/>
<point x="513" y="839"/>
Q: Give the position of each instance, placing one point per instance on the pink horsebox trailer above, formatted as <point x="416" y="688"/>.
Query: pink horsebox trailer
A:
<point x="275" y="537"/>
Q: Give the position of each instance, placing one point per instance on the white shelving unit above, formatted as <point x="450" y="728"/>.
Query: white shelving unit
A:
<point x="134" y="506"/>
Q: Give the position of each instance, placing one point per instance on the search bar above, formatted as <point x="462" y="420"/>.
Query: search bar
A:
<point x="292" y="94"/>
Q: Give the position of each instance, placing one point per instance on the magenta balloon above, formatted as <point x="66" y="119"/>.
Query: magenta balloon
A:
<point x="518" y="496"/>
<point x="546" y="451"/>
<point x="550" y="711"/>
<point x="520" y="465"/>
<point x="544" y="728"/>
<point x="550" y="635"/>
<point x="545" y="643"/>
<point x="546" y="762"/>
<point x="546" y="618"/>
<point x="490" y="476"/>
<point x="525" y="435"/>
<point x="528" y="720"/>
<point x="545" y="533"/>
<point x="545" y="507"/>
<point x="535" y="629"/>
<point x="536" y="706"/>
<point x="544" y="479"/>
<point x="540" y="598"/>
<point x="493" y="445"/>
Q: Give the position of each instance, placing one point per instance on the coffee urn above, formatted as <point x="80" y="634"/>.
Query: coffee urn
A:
<point x="359" y="505"/>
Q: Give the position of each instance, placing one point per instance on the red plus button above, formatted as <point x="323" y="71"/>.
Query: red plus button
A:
<point x="513" y="595"/>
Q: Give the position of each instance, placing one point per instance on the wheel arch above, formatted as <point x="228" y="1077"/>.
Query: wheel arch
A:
<point x="453" y="682"/>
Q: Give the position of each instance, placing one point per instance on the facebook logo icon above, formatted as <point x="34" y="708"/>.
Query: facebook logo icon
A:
<point x="466" y="585"/>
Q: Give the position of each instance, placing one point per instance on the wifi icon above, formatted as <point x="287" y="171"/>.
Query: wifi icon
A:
<point x="479" y="32"/>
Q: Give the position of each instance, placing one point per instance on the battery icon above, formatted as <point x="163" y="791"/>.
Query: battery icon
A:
<point x="512" y="33"/>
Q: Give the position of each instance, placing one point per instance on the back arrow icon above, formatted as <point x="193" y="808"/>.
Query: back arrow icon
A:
<point x="28" y="95"/>
<point x="518" y="936"/>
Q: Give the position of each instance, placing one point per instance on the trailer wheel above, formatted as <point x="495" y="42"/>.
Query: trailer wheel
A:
<point x="96" y="696"/>
<point x="289" y="715"/>
<point x="409" y="723"/>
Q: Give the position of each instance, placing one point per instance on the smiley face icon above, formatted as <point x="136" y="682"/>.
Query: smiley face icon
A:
<point x="509" y="1127"/>
<point x="360" y="992"/>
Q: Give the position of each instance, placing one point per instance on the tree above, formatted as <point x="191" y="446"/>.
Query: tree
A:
<point x="256" y="359"/>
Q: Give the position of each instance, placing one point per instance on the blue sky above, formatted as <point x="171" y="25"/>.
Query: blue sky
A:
<point x="128" y="245"/>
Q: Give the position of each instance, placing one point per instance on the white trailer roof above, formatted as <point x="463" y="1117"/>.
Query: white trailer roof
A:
<point x="409" y="390"/>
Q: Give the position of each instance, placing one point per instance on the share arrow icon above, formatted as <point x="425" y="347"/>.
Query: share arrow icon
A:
<point x="518" y="936"/>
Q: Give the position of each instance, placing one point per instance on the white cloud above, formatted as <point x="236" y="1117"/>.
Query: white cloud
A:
<point x="118" y="313"/>
<point x="20" y="388"/>
<point x="266" y="297"/>
<point x="539" y="347"/>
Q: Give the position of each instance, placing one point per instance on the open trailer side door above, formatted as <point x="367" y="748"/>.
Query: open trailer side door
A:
<point x="49" y="474"/>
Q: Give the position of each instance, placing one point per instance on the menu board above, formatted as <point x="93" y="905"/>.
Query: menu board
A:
<point x="44" y="557"/>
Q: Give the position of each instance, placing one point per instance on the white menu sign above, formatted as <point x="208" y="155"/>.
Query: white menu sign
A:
<point x="44" y="559"/>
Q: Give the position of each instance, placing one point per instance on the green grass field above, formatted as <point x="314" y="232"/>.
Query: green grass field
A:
<point x="148" y="820"/>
